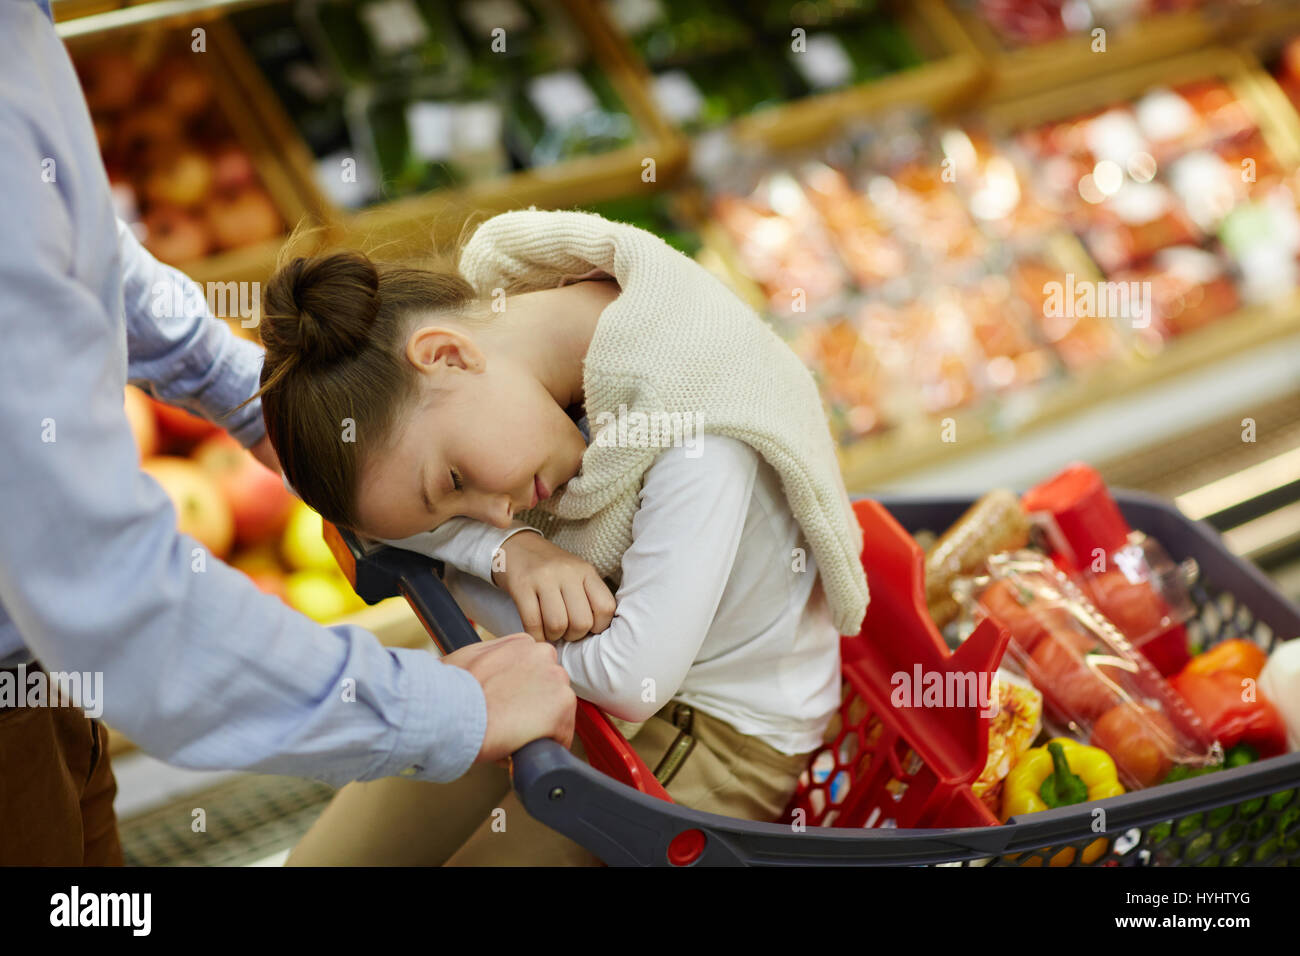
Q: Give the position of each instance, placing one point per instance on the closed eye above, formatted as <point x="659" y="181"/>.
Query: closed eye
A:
<point x="456" y="482"/>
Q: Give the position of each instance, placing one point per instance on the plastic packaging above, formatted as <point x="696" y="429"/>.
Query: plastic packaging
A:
<point x="1096" y="687"/>
<point x="1127" y="575"/>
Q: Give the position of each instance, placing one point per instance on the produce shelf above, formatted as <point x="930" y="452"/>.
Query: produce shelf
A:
<point x="1016" y="71"/>
<point x="950" y="76"/>
<point x="882" y="460"/>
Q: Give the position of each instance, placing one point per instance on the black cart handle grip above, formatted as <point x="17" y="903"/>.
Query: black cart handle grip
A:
<point x="383" y="572"/>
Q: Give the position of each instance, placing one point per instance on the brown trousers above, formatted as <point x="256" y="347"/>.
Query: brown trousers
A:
<point x="56" y="789"/>
<point x="478" y="821"/>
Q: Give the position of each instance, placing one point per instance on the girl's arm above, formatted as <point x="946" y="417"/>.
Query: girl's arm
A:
<point x="553" y="593"/>
<point x="468" y="545"/>
<point x="685" y="536"/>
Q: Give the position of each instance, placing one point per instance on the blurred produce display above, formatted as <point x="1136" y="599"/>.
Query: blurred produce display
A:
<point x="179" y="174"/>
<point x="712" y="63"/>
<point x="397" y="97"/>
<point x="922" y="267"/>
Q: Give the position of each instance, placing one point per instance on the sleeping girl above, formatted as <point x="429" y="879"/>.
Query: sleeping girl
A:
<point x="598" y="410"/>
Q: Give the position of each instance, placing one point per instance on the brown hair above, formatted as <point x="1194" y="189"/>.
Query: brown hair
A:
<point x="335" y="328"/>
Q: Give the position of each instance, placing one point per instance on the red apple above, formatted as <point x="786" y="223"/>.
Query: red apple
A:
<point x="243" y="219"/>
<point x="179" y="428"/>
<point x="145" y="137"/>
<point x="183" y="179"/>
<point x="139" y="413"/>
<point x="257" y="497"/>
<point x="174" y="235"/>
<point x="232" y="170"/>
<point x="201" y="512"/>
<point x="183" y="85"/>
<point x="109" y="80"/>
<point x="262" y="564"/>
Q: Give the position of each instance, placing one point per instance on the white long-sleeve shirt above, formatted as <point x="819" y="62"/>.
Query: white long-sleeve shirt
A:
<point x="717" y="606"/>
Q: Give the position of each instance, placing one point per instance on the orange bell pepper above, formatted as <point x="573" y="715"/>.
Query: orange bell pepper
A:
<point x="1237" y="655"/>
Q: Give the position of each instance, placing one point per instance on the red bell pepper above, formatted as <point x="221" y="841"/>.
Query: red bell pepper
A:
<point x="1218" y="700"/>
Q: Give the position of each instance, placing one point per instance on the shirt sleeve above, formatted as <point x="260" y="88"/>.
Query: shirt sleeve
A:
<point x="463" y="543"/>
<point x="685" y="535"/>
<point x="179" y="352"/>
<point x="198" y="667"/>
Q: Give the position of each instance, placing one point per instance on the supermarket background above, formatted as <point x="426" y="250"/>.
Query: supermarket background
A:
<point x="895" y="196"/>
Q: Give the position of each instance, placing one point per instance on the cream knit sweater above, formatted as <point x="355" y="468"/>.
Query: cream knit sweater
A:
<point x="676" y="340"/>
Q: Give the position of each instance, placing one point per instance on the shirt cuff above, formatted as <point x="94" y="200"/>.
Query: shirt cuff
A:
<point x="481" y="564"/>
<point x="445" y="722"/>
<point x="240" y="378"/>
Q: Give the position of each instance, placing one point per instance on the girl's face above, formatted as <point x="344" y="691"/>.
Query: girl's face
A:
<point x="483" y="439"/>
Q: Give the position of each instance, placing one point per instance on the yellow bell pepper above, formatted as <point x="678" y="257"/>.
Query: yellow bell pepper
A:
<point x="1061" y="773"/>
<point x="1073" y="774"/>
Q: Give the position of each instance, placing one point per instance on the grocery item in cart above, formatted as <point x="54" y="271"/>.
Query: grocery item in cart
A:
<point x="1126" y="574"/>
<point x="1096" y="687"/>
<point x="1235" y="711"/>
<point x="1012" y="729"/>
<point x="995" y="523"/>
<point x="1280" y="680"/>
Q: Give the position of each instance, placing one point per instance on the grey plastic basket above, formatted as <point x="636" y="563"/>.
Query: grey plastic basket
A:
<point x="1247" y="815"/>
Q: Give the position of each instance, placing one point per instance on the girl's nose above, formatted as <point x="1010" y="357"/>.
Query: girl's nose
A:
<point x="496" y="510"/>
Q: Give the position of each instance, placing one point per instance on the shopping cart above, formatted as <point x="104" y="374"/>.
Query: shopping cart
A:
<point x="891" y="785"/>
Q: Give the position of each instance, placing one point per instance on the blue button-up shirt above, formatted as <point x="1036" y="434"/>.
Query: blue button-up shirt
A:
<point x="200" y="668"/>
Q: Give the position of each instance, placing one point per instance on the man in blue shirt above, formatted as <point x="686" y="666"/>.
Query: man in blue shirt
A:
<point x="199" y="667"/>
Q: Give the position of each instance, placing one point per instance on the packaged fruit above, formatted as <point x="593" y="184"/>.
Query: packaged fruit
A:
<point x="1096" y="687"/>
<point x="1126" y="574"/>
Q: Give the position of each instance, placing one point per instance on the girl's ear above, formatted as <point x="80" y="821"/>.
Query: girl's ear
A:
<point x="437" y="349"/>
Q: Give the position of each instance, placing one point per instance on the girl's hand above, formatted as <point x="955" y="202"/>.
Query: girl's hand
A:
<point x="558" y="595"/>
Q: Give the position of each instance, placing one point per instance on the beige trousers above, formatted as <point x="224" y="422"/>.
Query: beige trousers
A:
<point x="479" y="821"/>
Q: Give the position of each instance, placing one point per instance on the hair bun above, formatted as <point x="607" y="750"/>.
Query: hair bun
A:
<point x="321" y="309"/>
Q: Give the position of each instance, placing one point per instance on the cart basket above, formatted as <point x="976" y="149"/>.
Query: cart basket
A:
<point x="892" y="787"/>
